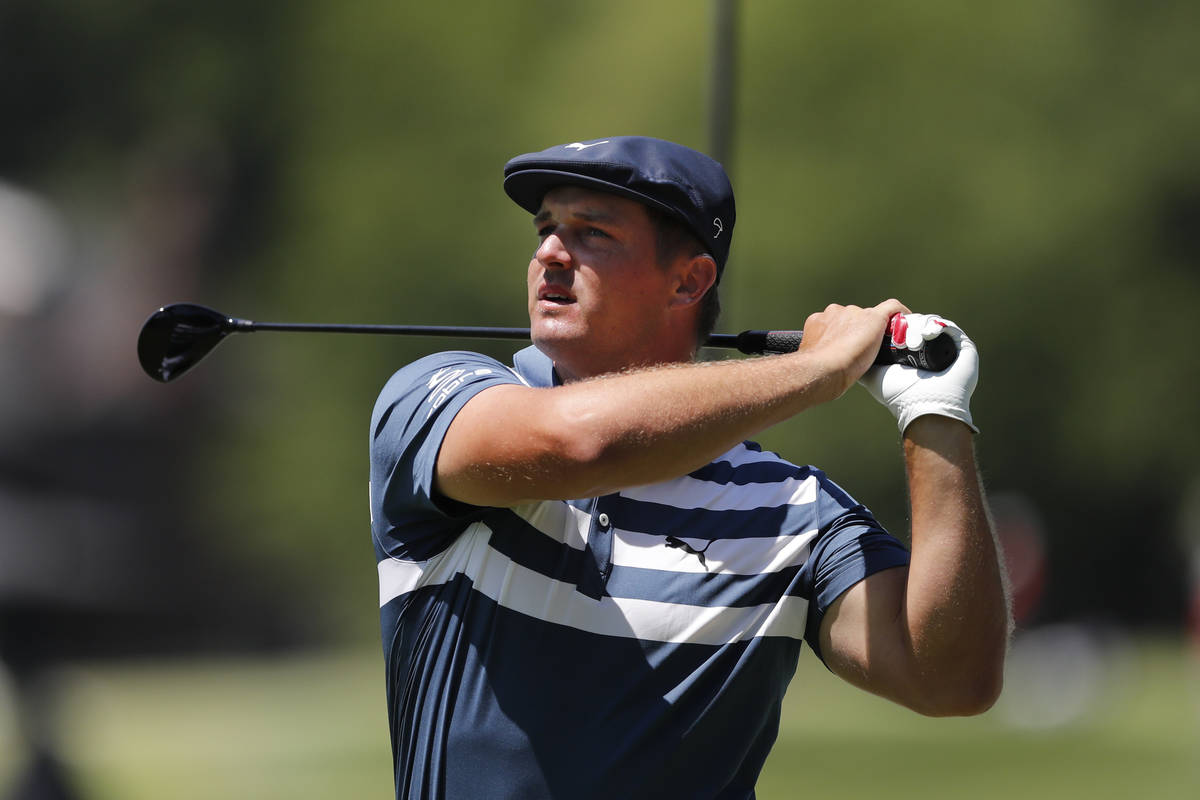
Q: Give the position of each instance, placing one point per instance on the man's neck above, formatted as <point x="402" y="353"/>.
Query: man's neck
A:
<point x="567" y="375"/>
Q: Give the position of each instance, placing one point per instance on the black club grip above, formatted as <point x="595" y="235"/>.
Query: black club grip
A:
<point x="935" y="356"/>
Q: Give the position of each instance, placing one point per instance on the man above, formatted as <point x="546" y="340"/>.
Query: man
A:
<point x="591" y="585"/>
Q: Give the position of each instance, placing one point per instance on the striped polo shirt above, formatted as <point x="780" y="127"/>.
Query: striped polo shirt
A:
<point x="632" y="645"/>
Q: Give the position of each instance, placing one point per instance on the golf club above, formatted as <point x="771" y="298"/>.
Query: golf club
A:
<point x="177" y="336"/>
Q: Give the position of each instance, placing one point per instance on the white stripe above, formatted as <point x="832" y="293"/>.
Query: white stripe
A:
<point x="523" y="590"/>
<point x="690" y="493"/>
<point x="741" y="455"/>
<point x="562" y="522"/>
<point x="397" y="577"/>
<point x="753" y="556"/>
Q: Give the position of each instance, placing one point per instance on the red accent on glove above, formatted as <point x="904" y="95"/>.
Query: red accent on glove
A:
<point x="899" y="330"/>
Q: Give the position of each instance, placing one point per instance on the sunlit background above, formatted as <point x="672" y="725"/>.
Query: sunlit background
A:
<point x="188" y="598"/>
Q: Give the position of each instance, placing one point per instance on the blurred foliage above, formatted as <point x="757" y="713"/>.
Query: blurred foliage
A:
<point x="1030" y="169"/>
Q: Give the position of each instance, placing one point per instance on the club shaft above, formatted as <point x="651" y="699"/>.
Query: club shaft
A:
<point x="727" y="340"/>
<point x="467" y="332"/>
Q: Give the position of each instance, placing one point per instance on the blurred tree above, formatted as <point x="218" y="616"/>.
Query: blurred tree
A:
<point x="1030" y="169"/>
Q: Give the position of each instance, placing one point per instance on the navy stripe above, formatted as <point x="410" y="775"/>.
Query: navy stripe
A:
<point x="724" y="472"/>
<point x="704" y="589"/>
<point x="418" y="537"/>
<point x="699" y="523"/>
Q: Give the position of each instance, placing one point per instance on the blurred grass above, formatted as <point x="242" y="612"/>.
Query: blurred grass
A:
<point x="313" y="726"/>
<point x="1138" y="735"/>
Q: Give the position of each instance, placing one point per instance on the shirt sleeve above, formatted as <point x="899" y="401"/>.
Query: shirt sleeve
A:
<point x="409" y="519"/>
<point x="852" y="546"/>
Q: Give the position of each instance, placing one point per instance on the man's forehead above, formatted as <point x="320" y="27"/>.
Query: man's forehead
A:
<point x="578" y="201"/>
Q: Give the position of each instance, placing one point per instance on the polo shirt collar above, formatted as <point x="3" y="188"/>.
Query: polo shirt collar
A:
<point x="536" y="368"/>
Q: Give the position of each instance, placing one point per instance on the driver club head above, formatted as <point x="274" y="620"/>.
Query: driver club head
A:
<point x="177" y="336"/>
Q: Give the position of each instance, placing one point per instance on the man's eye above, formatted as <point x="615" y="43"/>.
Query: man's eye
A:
<point x="545" y="231"/>
<point x="597" y="232"/>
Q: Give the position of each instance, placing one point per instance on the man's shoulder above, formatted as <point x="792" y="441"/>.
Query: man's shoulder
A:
<point x="530" y="367"/>
<point x="443" y="363"/>
<point x="441" y="372"/>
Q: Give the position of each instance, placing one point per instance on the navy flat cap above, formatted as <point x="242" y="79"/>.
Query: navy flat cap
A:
<point x="682" y="182"/>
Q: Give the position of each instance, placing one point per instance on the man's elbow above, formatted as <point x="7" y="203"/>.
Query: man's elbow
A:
<point x="970" y="700"/>
<point x="966" y="692"/>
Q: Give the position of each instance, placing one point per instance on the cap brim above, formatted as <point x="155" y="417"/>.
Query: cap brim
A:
<point x="527" y="187"/>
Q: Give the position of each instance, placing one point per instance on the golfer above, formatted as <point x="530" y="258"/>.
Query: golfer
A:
<point x="592" y="585"/>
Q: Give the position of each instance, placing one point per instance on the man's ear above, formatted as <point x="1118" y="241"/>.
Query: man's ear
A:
<point x="695" y="276"/>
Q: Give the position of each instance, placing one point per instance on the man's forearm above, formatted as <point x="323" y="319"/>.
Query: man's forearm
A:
<point x="607" y="433"/>
<point x="658" y="423"/>
<point x="956" y="602"/>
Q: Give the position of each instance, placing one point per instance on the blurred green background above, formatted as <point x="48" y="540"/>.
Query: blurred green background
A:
<point x="187" y="588"/>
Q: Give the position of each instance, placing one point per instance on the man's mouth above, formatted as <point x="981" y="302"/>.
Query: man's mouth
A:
<point x="553" y="295"/>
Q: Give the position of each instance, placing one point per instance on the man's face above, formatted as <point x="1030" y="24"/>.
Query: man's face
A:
<point x="598" y="299"/>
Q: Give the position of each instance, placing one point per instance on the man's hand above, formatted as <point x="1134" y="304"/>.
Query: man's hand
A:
<point x="910" y="393"/>
<point x="844" y="340"/>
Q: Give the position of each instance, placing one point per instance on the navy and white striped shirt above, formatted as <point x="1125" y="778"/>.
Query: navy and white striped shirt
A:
<point x="632" y="645"/>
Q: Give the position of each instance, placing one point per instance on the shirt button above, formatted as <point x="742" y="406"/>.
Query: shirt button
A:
<point x="603" y="520"/>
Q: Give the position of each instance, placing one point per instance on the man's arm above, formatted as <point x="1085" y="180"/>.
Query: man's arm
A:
<point x="932" y="636"/>
<point x="510" y="444"/>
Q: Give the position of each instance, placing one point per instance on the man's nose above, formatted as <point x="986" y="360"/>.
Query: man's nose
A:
<point x="553" y="252"/>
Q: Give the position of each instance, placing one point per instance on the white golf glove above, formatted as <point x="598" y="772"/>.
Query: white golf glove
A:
<point x="909" y="392"/>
